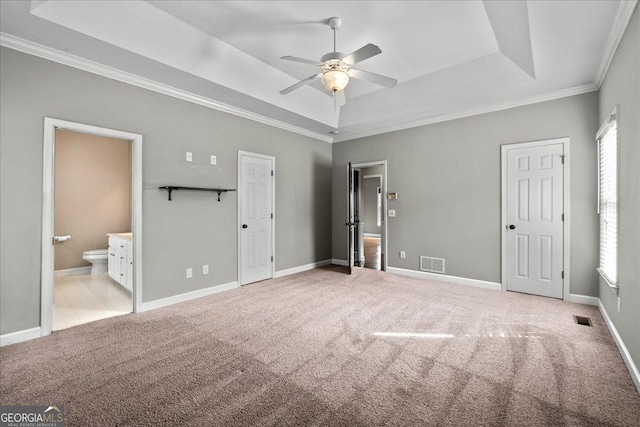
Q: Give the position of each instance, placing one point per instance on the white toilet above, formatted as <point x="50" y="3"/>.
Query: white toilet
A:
<point x="98" y="259"/>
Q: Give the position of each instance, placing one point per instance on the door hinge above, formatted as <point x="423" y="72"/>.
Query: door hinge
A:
<point x="563" y="217"/>
<point x="271" y="216"/>
<point x="562" y="156"/>
<point x="562" y="275"/>
<point x="272" y="171"/>
<point x="271" y="258"/>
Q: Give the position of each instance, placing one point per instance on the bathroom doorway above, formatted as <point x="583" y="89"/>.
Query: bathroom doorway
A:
<point x="91" y="219"/>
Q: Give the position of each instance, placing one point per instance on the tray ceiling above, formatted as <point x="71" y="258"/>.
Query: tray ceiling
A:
<point x="451" y="59"/>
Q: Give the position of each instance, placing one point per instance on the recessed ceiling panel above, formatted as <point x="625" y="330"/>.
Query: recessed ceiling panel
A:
<point x="416" y="38"/>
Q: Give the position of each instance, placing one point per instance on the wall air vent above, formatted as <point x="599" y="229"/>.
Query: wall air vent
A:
<point x="434" y="265"/>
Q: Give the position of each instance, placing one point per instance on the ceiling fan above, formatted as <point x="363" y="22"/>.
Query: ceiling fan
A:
<point x="336" y="67"/>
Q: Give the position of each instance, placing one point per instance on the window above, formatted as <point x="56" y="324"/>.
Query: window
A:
<point x="608" y="200"/>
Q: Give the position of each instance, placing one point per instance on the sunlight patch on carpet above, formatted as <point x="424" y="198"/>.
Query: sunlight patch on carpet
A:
<point x="412" y="335"/>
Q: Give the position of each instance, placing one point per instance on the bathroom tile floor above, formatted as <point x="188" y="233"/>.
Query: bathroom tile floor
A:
<point x="81" y="299"/>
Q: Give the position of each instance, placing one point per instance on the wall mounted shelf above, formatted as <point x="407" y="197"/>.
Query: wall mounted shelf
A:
<point x="171" y="188"/>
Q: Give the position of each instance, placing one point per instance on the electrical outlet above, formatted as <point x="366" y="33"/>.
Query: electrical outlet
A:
<point x="189" y="273"/>
<point x="619" y="305"/>
<point x="214" y="160"/>
<point x="403" y="255"/>
<point x="189" y="156"/>
<point x="392" y="212"/>
<point x="205" y="269"/>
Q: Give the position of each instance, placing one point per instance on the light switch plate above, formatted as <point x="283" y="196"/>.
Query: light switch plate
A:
<point x="214" y="160"/>
<point x="205" y="269"/>
<point x="189" y="156"/>
<point x="392" y="212"/>
<point x="189" y="273"/>
<point x="403" y="255"/>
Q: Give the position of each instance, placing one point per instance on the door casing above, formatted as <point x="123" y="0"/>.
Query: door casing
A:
<point x="48" y="193"/>
<point x="567" y="209"/>
<point x="239" y="211"/>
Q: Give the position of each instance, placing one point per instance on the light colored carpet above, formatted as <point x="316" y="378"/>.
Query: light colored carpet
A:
<point x="325" y="348"/>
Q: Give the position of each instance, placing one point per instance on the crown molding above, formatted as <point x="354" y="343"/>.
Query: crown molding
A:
<point x="549" y="96"/>
<point x="35" y="49"/>
<point x="625" y="12"/>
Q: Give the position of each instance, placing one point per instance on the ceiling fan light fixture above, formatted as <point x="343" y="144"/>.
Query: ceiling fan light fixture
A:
<point x="335" y="80"/>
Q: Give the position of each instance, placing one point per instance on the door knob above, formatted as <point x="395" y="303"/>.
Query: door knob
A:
<point x="511" y="227"/>
<point x="245" y="226"/>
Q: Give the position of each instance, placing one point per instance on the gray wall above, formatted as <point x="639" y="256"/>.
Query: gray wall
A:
<point x="189" y="231"/>
<point x="447" y="177"/>
<point x="621" y="87"/>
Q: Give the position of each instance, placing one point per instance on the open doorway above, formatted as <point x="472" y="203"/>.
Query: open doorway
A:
<point x="91" y="252"/>
<point x="367" y="224"/>
<point x="92" y="225"/>
<point x="371" y="216"/>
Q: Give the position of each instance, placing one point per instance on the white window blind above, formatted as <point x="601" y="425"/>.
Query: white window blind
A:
<point x="608" y="200"/>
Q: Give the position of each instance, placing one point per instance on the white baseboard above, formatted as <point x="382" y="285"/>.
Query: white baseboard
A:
<point x="301" y="268"/>
<point x="187" y="296"/>
<point x="371" y="235"/>
<point x="78" y="271"/>
<point x="584" y="299"/>
<point x="445" y="278"/>
<point x="340" y="262"/>
<point x="633" y="369"/>
<point x="20" y="336"/>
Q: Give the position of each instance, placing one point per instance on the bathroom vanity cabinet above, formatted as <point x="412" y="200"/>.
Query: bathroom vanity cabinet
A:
<point x="120" y="266"/>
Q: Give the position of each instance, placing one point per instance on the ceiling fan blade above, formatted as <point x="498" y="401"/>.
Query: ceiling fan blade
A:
<point x="373" y="78"/>
<point x="300" y="84"/>
<point x="302" y="60"/>
<point x="365" y="52"/>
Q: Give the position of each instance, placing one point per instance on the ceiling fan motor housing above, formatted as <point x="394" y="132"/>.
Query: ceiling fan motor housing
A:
<point x="332" y="55"/>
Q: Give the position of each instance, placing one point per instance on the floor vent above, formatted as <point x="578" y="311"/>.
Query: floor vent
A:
<point x="585" y="321"/>
<point x="434" y="265"/>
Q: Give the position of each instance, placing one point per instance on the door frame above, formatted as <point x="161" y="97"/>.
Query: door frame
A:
<point x="385" y="239"/>
<point x="48" y="211"/>
<point x="239" y="211"/>
<point x="566" y="240"/>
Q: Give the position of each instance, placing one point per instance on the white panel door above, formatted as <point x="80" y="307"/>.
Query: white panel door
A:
<point x="256" y="184"/>
<point x="534" y="220"/>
